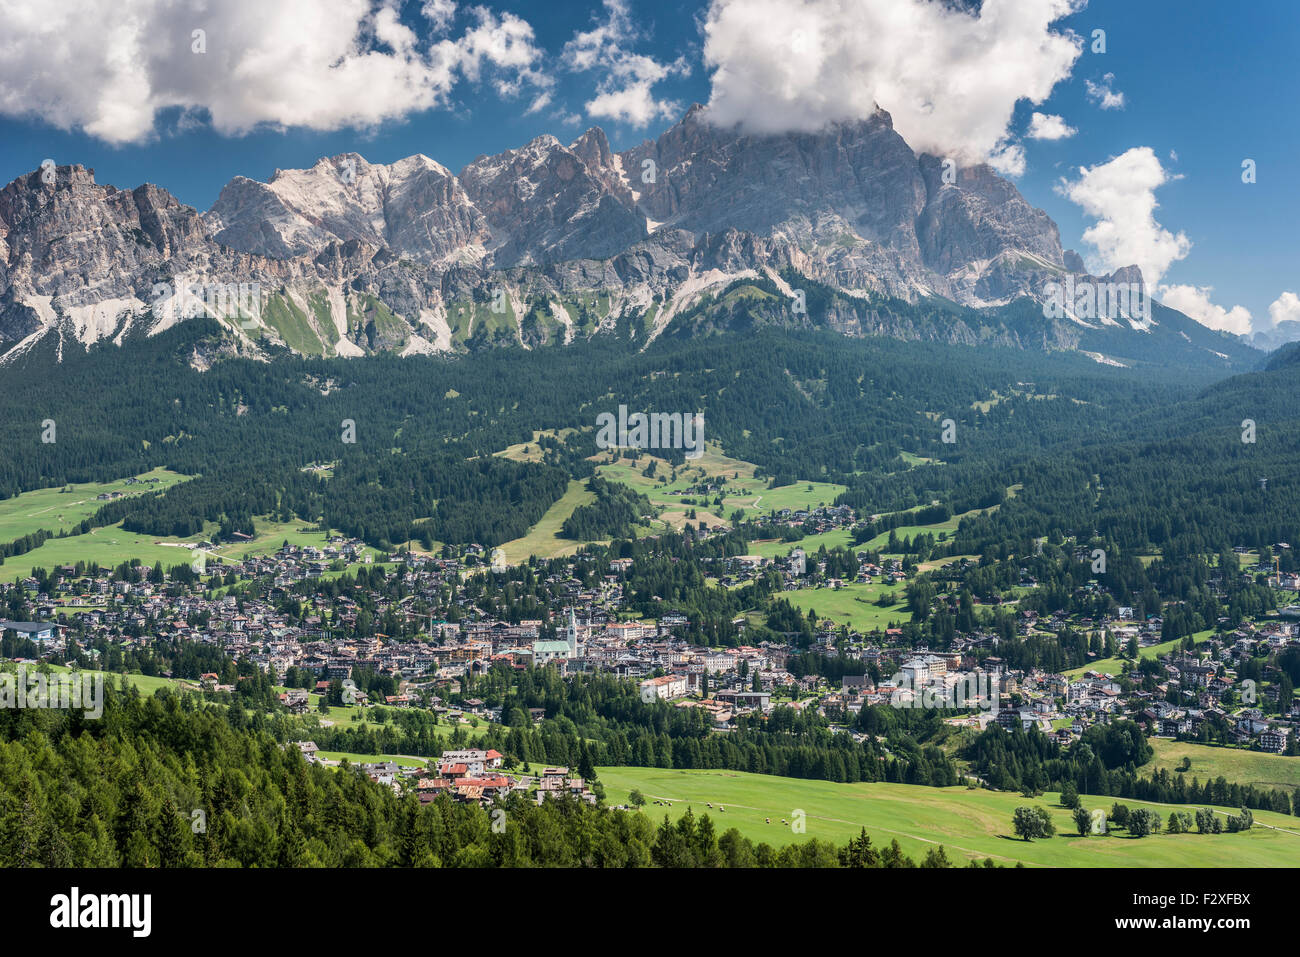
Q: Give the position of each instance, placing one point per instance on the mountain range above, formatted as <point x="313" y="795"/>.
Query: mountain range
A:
<point x="703" y="228"/>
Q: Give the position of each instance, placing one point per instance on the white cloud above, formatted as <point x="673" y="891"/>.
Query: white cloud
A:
<point x="1120" y="195"/>
<point x="1103" y="95"/>
<point x="1008" y="159"/>
<point x="1044" y="126"/>
<point x="1285" y="308"/>
<point x="109" y="66"/>
<point x="439" y="13"/>
<point x="505" y="42"/>
<point x="589" y="48"/>
<point x="950" y="79"/>
<point x="1194" y="301"/>
<point x="625" y="91"/>
<point x="625" y="95"/>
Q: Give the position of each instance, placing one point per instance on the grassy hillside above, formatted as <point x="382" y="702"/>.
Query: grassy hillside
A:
<point x="968" y="823"/>
<point x="1234" y="764"/>
<point x="58" y="509"/>
<point x="853" y="605"/>
<point x="109" y="546"/>
<point x="543" y="539"/>
<point x="744" y="492"/>
<point x="112" y="545"/>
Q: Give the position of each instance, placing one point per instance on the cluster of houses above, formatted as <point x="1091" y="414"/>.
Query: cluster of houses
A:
<point x="584" y="630"/>
<point x="468" y="775"/>
<point x="254" y="627"/>
<point x="1064" y="706"/>
<point x="797" y="571"/>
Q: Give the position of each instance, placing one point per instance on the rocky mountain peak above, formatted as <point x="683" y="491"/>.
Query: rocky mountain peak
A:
<point x="593" y="147"/>
<point x="372" y="256"/>
<point x="546" y="203"/>
<point x="414" y="206"/>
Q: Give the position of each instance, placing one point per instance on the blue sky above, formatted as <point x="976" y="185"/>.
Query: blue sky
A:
<point x="1203" y="83"/>
<point x="1204" y="80"/>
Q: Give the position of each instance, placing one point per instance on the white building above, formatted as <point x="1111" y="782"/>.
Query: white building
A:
<point x="476" y="762"/>
<point x="665" y="688"/>
<point x="566" y="649"/>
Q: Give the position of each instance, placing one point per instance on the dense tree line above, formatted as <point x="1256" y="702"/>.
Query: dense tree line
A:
<point x="410" y="441"/>
<point x="613" y="513"/>
<point x="603" y="720"/>
<point x="167" y="781"/>
<point x="1105" y="761"/>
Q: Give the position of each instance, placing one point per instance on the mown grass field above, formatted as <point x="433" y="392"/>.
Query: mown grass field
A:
<point x="944" y="528"/>
<point x="800" y="495"/>
<point x="836" y="538"/>
<point x="970" y="824"/>
<point x="543" y="539"/>
<point x="147" y="684"/>
<point x="58" y="509"/>
<point x="1233" y="764"/>
<point x="879" y="542"/>
<point x="530" y="451"/>
<point x="269" y="536"/>
<point x="743" y="492"/>
<point x="914" y="460"/>
<point x="55" y="510"/>
<point x="853" y="605"/>
<point x="352" y="716"/>
<point x="403" y="760"/>
<point x="111" y="545"/>
<point x="945" y="562"/>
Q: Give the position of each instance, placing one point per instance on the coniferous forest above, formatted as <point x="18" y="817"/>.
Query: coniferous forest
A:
<point x="167" y="781"/>
<point x="1150" y="460"/>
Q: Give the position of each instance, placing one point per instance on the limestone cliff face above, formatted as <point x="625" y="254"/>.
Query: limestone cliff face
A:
<point x="869" y="212"/>
<point x="350" y="257"/>
<point x="415" y="207"/>
<point x="87" y="253"/>
<point x="544" y="203"/>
